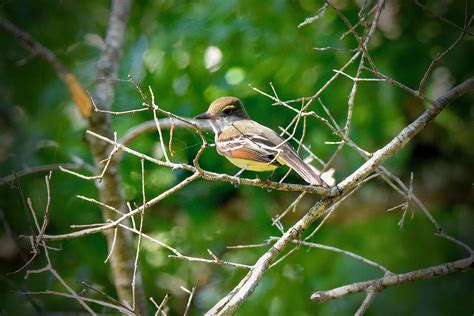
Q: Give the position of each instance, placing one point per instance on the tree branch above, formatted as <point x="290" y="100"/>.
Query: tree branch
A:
<point x="380" y="284"/>
<point x="404" y="136"/>
<point x="39" y="169"/>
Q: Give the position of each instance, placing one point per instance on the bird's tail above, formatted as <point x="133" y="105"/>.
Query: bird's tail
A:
<point x="292" y="160"/>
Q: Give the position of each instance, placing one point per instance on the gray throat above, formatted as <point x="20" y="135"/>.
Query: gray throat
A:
<point x="220" y="123"/>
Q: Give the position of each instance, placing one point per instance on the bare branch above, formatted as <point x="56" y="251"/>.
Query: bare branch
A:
<point x="340" y="49"/>
<point x="142" y="213"/>
<point x="315" y="17"/>
<point x="291" y="208"/>
<point x="215" y="260"/>
<point x="188" y="305"/>
<point x="380" y="284"/>
<point x="157" y="122"/>
<point x="165" y="123"/>
<point x="344" y="252"/>
<point x="112" y="247"/>
<point x="99" y="177"/>
<point x="49" y="267"/>
<point x="366" y="303"/>
<point x="41" y="232"/>
<point x="39" y="169"/>
<point x="107" y="296"/>
<point x="96" y="109"/>
<point x="362" y="44"/>
<point x="350" y="110"/>
<point x="405" y="135"/>
<point x="161" y="307"/>
<point x="156" y="241"/>
<point x="464" y="29"/>
<point x="119" y="308"/>
<point x="439" y="56"/>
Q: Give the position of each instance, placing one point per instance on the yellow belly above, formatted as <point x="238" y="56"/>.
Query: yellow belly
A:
<point x="251" y="165"/>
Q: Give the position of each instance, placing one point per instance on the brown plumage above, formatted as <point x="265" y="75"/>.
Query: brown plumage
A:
<point x="250" y="145"/>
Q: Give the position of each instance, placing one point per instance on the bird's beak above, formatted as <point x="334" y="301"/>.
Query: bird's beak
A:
<point x="203" y="116"/>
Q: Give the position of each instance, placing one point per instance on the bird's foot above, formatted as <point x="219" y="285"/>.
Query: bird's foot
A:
<point x="237" y="175"/>
<point x="270" y="176"/>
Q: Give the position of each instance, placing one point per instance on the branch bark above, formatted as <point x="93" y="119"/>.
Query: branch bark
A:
<point x="380" y="284"/>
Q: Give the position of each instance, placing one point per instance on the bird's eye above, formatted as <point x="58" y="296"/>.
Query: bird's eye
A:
<point x="228" y="110"/>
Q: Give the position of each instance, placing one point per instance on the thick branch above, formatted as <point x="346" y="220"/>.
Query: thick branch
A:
<point x="403" y="137"/>
<point x="380" y="284"/>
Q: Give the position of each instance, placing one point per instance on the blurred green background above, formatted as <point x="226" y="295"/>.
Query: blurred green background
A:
<point x="255" y="43"/>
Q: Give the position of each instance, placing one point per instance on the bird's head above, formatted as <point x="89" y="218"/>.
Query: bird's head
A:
<point x="228" y="109"/>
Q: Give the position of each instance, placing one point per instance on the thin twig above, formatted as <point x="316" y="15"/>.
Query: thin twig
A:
<point x="104" y="170"/>
<point x="142" y="213"/>
<point x="158" y="127"/>
<point x="362" y="45"/>
<point x="369" y="298"/>
<point x="188" y="304"/>
<point x="162" y="305"/>
<point x="90" y="287"/>
<point x="39" y="169"/>
<point x="119" y="308"/>
<point x="443" y="18"/>
<point x="439" y="56"/>
<point x="344" y="252"/>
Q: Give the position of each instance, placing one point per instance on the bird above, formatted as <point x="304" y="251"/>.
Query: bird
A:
<point x="250" y="145"/>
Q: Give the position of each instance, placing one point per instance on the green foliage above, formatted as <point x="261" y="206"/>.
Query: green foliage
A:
<point x="260" y="43"/>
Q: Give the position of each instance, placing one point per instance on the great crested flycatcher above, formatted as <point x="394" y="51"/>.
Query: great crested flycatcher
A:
<point x="252" y="146"/>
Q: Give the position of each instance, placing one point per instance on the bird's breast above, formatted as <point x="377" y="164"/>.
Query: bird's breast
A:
<point x="251" y="165"/>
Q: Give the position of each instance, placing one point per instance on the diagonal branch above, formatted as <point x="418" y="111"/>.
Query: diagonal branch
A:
<point x="380" y="284"/>
<point x="404" y="136"/>
<point x="78" y="93"/>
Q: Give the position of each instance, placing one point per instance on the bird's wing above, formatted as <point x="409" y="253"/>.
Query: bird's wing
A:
<point x="257" y="142"/>
<point x="249" y="146"/>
